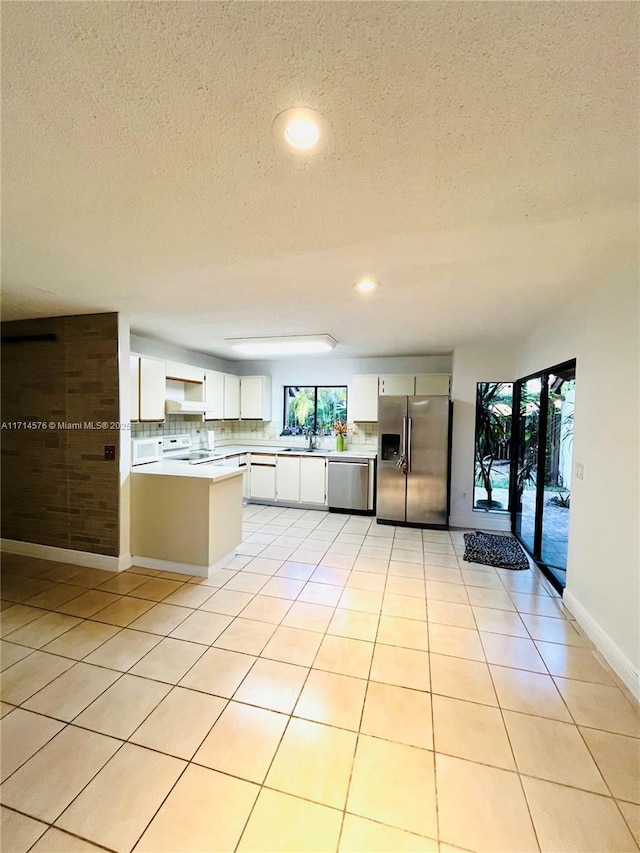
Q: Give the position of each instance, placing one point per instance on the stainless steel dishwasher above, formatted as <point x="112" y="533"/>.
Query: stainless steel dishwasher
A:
<point x="348" y="484"/>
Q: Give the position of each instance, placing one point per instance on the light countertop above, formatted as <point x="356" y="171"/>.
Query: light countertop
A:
<point x="237" y="449"/>
<point x="212" y="471"/>
<point x="216" y="469"/>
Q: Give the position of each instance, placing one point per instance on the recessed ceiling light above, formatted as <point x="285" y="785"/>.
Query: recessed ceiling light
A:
<point x="302" y="133"/>
<point x="283" y="345"/>
<point x="365" y="285"/>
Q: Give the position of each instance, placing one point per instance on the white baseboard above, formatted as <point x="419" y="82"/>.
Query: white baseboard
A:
<point x="66" y="555"/>
<point x="614" y="656"/>
<point x="125" y="561"/>
<point x="181" y="568"/>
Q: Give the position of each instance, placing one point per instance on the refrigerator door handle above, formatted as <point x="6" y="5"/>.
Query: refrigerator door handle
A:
<point x="409" y="425"/>
<point x="402" y="460"/>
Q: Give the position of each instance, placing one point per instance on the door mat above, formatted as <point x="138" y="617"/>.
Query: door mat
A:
<point x="503" y="552"/>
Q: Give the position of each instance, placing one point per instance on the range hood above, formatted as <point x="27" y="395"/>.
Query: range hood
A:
<point x="185" y="407"/>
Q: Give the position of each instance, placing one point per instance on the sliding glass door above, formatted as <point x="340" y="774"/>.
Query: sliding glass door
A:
<point x="541" y="474"/>
<point x="527" y="460"/>
<point x="557" y="479"/>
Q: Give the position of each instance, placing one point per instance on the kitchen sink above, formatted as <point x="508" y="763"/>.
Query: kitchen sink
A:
<point x="303" y="450"/>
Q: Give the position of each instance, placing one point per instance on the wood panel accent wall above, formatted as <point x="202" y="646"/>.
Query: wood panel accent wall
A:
<point x="57" y="489"/>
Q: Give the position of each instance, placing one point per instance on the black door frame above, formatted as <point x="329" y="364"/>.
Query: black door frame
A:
<point x="543" y="376"/>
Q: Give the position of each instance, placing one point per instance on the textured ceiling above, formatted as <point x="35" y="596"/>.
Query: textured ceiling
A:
<point x="482" y="166"/>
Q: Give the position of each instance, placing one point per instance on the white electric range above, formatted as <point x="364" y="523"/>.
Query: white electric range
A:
<point x="179" y="449"/>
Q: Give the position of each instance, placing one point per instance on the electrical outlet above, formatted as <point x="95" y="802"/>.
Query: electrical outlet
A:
<point x="464" y="494"/>
<point x="109" y="451"/>
<point x="579" y="471"/>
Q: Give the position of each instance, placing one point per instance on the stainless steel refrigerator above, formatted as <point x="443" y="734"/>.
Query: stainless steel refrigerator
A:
<point x="413" y="460"/>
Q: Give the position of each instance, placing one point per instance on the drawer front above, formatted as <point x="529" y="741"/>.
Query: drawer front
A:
<point x="263" y="459"/>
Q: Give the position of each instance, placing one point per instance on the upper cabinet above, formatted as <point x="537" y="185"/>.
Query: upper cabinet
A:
<point x="214" y="395"/>
<point x="433" y="384"/>
<point x="231" y="397"/>
<point x="365" y="389"/>
<point x="255" y="398"/>
<point x="152" y="389"/>
<point x="363" y="398"/>
<point x="424" y="384"/>
<point x="396" y="384"/>
<point x="184" y="372"/>
<point x="134" y="387"/>
<point x="221" y="396"/>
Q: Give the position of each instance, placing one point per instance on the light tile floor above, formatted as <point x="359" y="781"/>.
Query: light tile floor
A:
<point x="339" y="685"/>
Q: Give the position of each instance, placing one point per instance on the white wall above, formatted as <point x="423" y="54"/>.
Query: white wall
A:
<point x="603" y="572"/>
<point x="470" y="366"/>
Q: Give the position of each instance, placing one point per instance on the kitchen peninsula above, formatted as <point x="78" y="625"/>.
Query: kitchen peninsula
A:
<point x="185" y="518"/>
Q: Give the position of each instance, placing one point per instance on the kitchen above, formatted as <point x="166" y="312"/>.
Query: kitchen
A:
<point x="189" y="419"/>
<point x="217" y="661"/>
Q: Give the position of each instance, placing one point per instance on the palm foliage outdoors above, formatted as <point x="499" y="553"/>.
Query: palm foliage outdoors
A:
<point x="493" y="417"/>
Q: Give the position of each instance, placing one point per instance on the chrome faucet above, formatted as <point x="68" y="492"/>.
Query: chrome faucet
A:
<point x="310" y="435"/>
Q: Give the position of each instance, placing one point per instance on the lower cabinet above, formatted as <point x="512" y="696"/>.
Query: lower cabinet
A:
<point x="313" y="480"/>
<point x="263" y="480"/>
<point x="243" y="462"/>
<point x="288" y="478"/>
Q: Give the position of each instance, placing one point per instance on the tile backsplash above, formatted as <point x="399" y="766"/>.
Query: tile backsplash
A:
<point x="254" y="432"/>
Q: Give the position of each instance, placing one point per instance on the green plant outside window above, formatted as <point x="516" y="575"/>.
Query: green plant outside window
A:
<point x="494" y="401"/>
<point x="313" y="407"/>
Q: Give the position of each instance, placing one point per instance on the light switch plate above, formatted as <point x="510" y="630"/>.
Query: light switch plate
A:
<point x="579" y="471"/>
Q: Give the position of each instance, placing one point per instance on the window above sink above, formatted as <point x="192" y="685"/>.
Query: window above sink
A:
<point x="313" y="407"/>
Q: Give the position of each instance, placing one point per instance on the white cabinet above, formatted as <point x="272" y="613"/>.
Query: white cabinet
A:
<point x="152" y="389"/>
<point x="363" y="398"/>
<point x="263" y="477"/>
<point x="184" y="372"/>
<point x="423" y="384"/>
<point x="433" y="384"/>
<point x="214" y="395"/>
<point x="244" y="465"/>
<point x="397" y="384"/>
<point x="231" y="397"/>
<point x="134" y="387"/>
<point x="221" y="396"/>
<point x="255" y="398"/>
<point x="313" y="479"/>
<point x="288" y="478"/>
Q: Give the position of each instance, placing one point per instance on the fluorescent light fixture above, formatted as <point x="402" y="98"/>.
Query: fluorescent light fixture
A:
<point x="285" y="345"/>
